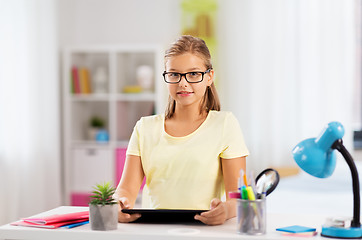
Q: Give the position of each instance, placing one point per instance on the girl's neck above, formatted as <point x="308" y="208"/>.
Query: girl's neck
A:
<point x="188" y="114"/>
<point x="184" y="121"/>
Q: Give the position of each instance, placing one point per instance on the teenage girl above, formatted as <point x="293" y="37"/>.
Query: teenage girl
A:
<point x="192" y="154"/>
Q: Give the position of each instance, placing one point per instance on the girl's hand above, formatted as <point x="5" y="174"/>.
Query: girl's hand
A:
<point x="125" y="217"/>
<point x="217" y="215"/>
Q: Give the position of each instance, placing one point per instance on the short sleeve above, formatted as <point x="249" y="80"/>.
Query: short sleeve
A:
<point x="233" y="140"/>
<point x="134" y="142"/>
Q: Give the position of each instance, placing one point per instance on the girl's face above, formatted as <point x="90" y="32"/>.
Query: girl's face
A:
<point x="184" y="93"/>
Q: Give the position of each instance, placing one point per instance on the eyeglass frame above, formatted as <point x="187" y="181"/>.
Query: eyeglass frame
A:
<point x="184" y="74"/>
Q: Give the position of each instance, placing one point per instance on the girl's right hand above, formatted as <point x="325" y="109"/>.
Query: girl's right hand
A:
<point x="125" y="217"/>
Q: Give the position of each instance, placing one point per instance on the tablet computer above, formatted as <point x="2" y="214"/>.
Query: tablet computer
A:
<point x="165" y="215"/>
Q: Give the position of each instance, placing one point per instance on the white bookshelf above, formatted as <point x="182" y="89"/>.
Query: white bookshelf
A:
<point x="87" y="162"/>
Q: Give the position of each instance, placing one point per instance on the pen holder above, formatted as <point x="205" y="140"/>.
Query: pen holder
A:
<point x="251" y="216"/>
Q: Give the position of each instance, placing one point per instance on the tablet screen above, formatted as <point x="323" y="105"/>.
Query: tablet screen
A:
<point x="165" y="215"/>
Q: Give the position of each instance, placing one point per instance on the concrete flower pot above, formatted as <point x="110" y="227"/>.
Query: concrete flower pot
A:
<point x="103" y="218"/>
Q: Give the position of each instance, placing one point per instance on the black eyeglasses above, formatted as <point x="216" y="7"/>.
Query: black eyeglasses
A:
<point x="191" y="77"/>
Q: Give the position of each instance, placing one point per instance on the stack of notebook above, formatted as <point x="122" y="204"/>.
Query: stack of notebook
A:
<point x="67" y="220"/>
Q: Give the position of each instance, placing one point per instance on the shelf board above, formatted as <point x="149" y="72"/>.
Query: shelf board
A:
<point x="90" y="97"/>
<point x="131" y="97"/>
<point x="90" y="144"/>
<point x="94" y="144"/>
<point x="135" y="97"/>
<point x="122" y="144"/>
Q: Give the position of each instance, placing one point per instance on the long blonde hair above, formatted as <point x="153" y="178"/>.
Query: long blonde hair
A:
<point x="194" y="45"/>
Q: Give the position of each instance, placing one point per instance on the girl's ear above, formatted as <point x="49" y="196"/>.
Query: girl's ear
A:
<point x="210" y="77"/>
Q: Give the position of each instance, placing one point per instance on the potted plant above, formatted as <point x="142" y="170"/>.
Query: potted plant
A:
<point x="103" y="209"/>
<point x="95" y="125"/>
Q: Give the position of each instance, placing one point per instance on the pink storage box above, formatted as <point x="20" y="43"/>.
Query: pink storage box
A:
<point x="120" y="161"/>
<point x="80" y="199"/>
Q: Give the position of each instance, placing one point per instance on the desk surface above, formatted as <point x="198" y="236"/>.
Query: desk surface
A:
<point x="136" y="231"/>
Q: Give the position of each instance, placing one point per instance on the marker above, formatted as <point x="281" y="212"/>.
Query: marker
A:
<point x="253" y="204"/>
<point x="234" y="195"/>
<point x="244" y="193"/>
<point x="251" y="195"/>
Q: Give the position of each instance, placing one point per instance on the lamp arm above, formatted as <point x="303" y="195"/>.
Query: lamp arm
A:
<point x="355" y="181"/>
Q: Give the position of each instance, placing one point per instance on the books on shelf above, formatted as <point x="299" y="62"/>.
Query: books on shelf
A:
<point x="75" y="80"/>
<point x="84" y="81"/>
<point x="132" y="89"/>
<point x="80" y="80"/>
<point x="55" y="221"/>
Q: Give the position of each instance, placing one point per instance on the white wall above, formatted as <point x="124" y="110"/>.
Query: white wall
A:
<point x="290" y="68"/>
<point x="29" y="115"/>
<point x="118" y="21"/>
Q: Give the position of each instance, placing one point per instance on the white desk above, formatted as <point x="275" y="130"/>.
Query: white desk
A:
<point x="136" y="231"/>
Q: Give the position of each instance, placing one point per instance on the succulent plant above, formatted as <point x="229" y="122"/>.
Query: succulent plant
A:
<point x="102" y="194"/>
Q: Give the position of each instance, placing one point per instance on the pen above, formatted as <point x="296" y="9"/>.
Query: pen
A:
<point x="253" y="205"/>
<point x="244" y="212"/>
<point x="240" y="183"/>
<point x="252" y="182"/>
<point x="263" y="193"/>
<point x="75" y="224"/>
<point x="245" y="180"/>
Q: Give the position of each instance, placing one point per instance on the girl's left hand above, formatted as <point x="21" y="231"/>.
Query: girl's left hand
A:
<point x="217" y="215"/>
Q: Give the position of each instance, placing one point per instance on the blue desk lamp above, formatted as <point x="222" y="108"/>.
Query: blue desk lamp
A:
<point x="317" y="157"/>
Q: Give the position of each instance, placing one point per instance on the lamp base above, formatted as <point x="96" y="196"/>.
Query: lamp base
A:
<point x="341" y="232"/>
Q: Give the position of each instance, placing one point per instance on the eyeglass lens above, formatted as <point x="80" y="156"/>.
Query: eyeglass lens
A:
<point x="190" y="77"/>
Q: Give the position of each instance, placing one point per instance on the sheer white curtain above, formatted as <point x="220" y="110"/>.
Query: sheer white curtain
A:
<point x="29" y="109"/>
<point x="289" y="68"/>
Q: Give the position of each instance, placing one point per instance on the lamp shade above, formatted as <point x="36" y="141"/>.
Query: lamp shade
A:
<point x="315" y="155"/>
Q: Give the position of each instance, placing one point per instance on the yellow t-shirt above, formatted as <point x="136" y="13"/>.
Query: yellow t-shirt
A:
<point x="185" y="172"/>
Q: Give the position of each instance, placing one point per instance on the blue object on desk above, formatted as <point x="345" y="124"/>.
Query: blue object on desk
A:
<point x="75" y="224"/>
<point x="296" y="229"/>
<point x="316" y="156"/>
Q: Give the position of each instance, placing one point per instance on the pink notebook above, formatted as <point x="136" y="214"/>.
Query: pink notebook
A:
<point x="51" y="226"/>
<point x="59" y="218"/>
